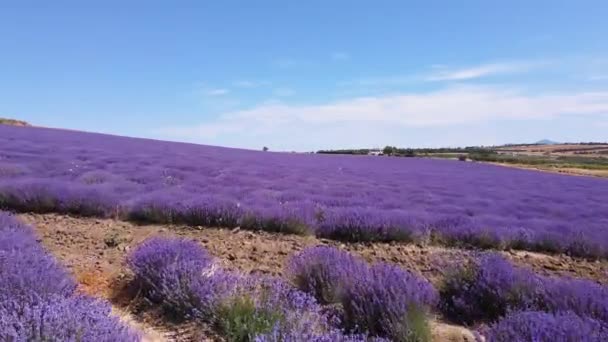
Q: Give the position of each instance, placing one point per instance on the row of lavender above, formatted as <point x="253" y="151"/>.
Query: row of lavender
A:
<point x="342" y="197"/>
<point x="339" y="297"/>
<point x="183" y="278"/>
<point x="515" y="304"/>
<point x="39" y="300"/>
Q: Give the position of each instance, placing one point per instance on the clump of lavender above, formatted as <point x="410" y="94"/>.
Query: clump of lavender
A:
<point x="487" y="289"/>
<point x="27" y="272"/>
<point x="323" y="272"/>
<point x="491" y="286"/>
<point x="172" y="271"/>
<point x="387" y="301"/>
<point x="76" y="318"/>
<point x="583" y="297"/>
<point x="545" y="327"/>
<point x="332" y="336"/>
<point x="361" y="224"/>
<point x="37" y="299"/>
<point x="268" y="306"/>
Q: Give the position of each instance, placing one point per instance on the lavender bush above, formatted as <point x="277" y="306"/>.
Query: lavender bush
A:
<point x="491" y="287"/>
<point x="60" y="318"/>
<point x="171" y="271"/>
<point x="269" y="306"/>
<point x="582" y="297"/>
<point x="534" y="326"/>
<point x="323" y="272"/>
<point x="37" y="296"/>
<point x="387" y="301"/>
<point x="342" y="197"/>
<point x="27" y="273"/>
<point x="486" y="290"/>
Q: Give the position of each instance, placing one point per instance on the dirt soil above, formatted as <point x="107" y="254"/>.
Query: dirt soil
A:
<point x="94" y="250"/>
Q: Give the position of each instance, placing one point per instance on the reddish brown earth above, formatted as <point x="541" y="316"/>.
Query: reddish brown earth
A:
<point x="94" y="251"/>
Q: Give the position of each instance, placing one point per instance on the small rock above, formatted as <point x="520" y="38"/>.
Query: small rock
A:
<point x="231" y="257"/>
<point x="235" y="230"/>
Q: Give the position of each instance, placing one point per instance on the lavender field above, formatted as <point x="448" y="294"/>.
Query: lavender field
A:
<point x="342" y="197"/>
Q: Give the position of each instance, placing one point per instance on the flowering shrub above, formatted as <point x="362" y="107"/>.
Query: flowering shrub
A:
<point x="387" y="301"/>
<point x="57" y="318"/>
<point x="262" y="305"/>
<point x="333" y="336"/>
<point x="362" y="224"/>
<point x="536" y="326"/>
<point x="582" y="297"/>
<point x="486" y="290"/>
<point x="323" y="272"/>
<point x="27" y="272"/>
<point x="37" y="299"/>
<point x="491" y="287"/>
<point x="171" y="271"/>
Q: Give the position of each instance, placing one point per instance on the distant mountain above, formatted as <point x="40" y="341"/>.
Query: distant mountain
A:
<point x="546" y="142"/>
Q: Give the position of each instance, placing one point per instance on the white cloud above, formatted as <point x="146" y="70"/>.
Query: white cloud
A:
<point x="445" y="74"/>
<point x="216" y="92"/>
<point x="441" y="72"/>
<point x="339" y="56"/>
<point x="250" y="84"/>
<point x="378" y="115"/>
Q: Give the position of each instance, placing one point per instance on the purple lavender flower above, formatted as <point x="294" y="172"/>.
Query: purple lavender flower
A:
<point x="262" y="305"/>
<point x="341" y="197"/>
<point x="62" y="319"/>
<point x="387" y="301"/>
<point x="487" y="289"/>
<point x="583" y="297"/>
<point x="533" y="326"/>
<point x="169" y="271"/>
<point x="37" y="298"/>
<point x="323" y="272"/>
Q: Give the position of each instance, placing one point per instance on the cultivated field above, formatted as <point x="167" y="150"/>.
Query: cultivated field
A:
<point x="310" y="247"/>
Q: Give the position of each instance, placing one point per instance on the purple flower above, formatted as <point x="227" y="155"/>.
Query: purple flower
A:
<point x="76" y="318"/>
<point x="323" y="272"/>
<point x="387" y="301"/>
<point x="170" y="271"/>
<point x="487" y="289"/>
<point x="533" y="326"/>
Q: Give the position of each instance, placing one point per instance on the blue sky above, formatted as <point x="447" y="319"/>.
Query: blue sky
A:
<point x="304" y="75"/>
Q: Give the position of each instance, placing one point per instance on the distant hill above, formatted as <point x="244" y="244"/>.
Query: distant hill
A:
<point x="13" y="122"/>
<point x="546" y="142"/>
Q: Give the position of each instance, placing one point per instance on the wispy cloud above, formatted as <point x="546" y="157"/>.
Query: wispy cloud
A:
<point x="339" y="56"/>
<point x="216" y="92"/>
<point x="484" y="70"/>
<point x="441" y="72"/>
<point x="440" y="108"/>
<point x="250" y="84"/>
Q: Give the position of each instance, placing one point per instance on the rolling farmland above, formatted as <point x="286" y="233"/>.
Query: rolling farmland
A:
<point x="342" y="197"/>
<point x="370" y="248"/>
